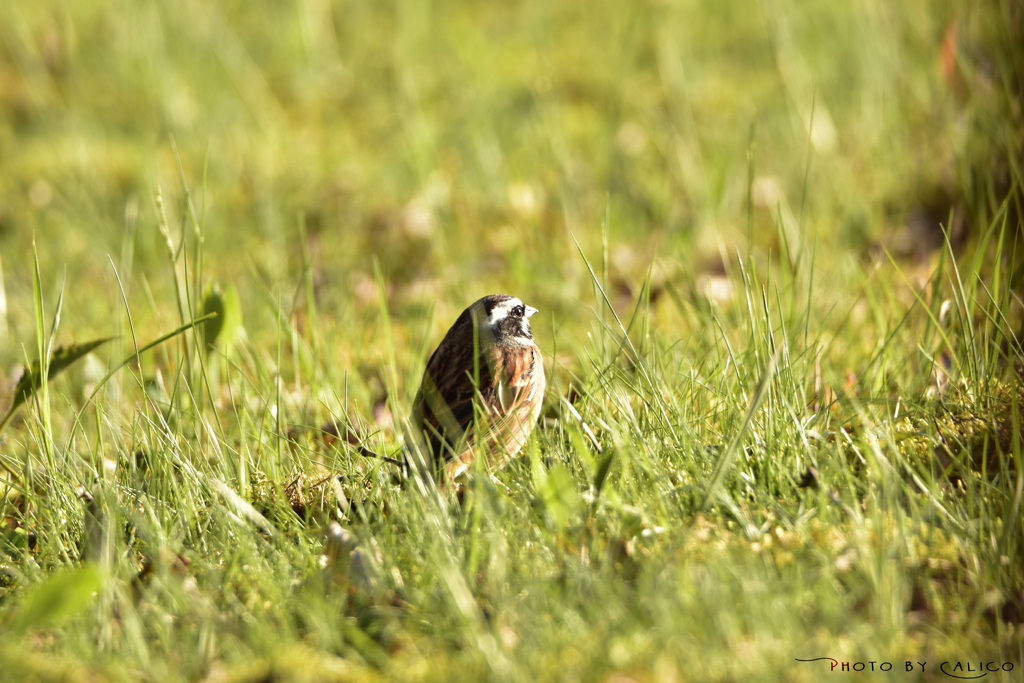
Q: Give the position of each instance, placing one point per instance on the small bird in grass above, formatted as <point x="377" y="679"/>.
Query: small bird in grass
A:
<point x="482" y="388"/>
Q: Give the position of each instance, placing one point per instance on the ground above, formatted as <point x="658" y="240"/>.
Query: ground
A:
<point x="776" y="249"/>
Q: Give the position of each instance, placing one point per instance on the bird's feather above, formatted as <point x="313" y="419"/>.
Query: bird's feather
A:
<point x="479" y="390"/>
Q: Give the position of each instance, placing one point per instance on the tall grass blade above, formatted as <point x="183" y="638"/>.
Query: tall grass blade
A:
<point x="724" y="460"/>
<point x="60" y="360"/>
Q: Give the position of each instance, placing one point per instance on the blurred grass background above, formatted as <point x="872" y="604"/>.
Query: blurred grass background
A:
<point x="461" y="143"/>
<point x="360" y="172"/>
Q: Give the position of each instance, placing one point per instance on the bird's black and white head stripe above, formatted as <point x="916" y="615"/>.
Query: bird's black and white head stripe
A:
<point x="507" y="319"/>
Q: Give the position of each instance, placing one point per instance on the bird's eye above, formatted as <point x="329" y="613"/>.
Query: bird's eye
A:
<point x="518" y="311"/>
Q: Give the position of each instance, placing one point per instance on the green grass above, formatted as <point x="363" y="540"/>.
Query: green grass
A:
<point x="777" y="251"/>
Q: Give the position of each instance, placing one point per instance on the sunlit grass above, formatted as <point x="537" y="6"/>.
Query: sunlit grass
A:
<point x="776" y="253"/>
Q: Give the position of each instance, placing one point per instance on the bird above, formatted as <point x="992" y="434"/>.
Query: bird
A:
<point x="482" y="389"/>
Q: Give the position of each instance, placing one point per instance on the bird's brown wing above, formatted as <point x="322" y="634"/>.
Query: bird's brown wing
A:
<point x="444" y="405"/>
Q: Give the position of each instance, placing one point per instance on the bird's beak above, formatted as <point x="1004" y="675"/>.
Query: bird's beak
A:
<point x="530" y="310"/>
